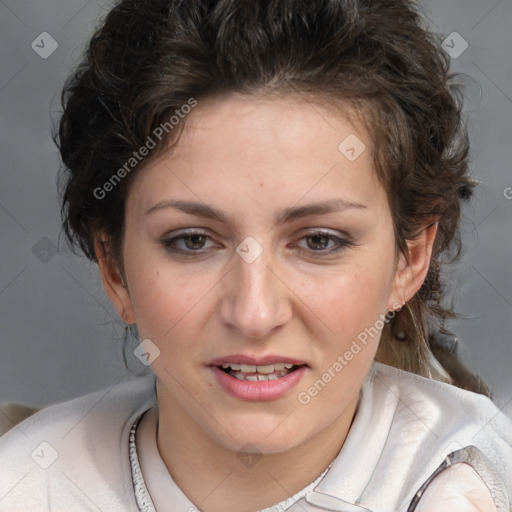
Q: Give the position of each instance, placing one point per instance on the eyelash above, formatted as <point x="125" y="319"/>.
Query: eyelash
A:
<point x="342" y="244"/>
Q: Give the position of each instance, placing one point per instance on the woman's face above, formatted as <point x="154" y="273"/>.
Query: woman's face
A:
<point x="259" y="240"/>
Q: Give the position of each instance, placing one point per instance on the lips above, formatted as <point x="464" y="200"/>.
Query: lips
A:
<point x="262" y="378"/>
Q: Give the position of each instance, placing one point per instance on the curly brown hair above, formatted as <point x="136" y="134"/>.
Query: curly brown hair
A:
<point x="149" y="57"/>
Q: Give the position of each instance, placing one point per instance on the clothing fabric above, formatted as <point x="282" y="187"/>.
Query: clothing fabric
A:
<point x="75" y="456"/>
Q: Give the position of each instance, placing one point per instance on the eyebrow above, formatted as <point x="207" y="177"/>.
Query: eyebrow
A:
<point x="288" y="215"/>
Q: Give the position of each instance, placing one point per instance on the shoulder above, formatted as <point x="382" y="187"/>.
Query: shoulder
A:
<point x="445" y="406"/>
<point x="69" y="448"/>
<point x="431" y="426"/>
<point x="80" y="417"/>
<point x="458" y="489"/>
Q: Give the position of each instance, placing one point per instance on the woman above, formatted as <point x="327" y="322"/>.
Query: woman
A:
<point x="268" y="189"/>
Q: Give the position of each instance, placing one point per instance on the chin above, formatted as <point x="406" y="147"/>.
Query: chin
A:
<point x="265" y="437"/>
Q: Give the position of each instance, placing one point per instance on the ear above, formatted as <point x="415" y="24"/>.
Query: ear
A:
<point x="113" y="281"/>
<point x="409" y="277"/>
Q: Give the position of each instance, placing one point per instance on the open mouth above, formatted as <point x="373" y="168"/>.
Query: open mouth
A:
<point x="273" y="378"/>
<point x="253" y="373"/>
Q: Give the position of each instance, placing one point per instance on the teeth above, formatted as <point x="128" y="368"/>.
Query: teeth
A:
<point x="253" y="378"/>
<point x="269" y="368"/>
<point x="253" y="373"/>
<point x="266" y="369"/>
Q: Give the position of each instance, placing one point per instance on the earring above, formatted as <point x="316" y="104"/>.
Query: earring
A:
<point x="133" y="331"/>
<point x="125" y="334"/>
<point x="400" y="335"/>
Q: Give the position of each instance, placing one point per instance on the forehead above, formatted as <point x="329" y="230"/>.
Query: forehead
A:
<point x="277" y="148"/>
<point x="272" y="121"/>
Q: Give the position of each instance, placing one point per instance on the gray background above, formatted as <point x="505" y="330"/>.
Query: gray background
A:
<point x="60" y="337"/>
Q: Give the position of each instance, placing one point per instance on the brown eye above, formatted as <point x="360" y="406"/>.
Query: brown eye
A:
<point x="317" y="242"/>
<point x="322" y="243"/>
<point x="194" y="241"/>
<point x="189" y="244"/>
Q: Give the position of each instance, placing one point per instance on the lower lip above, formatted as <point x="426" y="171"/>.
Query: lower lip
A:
<point x="260" y="390"/>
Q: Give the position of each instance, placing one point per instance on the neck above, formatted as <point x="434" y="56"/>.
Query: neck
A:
<point x="214" y="477"/>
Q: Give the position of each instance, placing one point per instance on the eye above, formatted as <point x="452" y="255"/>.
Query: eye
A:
<point x="190" y="243"/>
<point x="322" y="243"/>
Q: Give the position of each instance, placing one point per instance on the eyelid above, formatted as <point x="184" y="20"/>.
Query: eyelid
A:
<point x="343" y="236"/>
<point x="326" y="231"/>
<point x="187" y="232"/>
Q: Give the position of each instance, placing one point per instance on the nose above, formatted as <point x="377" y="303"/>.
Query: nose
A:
<point x="256" y="301"/>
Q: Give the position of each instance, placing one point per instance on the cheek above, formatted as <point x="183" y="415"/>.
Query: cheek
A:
<point x="348" y="301"/>
<point x="166" y="301"/>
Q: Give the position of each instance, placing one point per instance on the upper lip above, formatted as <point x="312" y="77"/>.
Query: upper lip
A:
<point x="256" y="361"/>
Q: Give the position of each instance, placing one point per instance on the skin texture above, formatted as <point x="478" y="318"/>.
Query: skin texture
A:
<point x="253" y="157"/>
